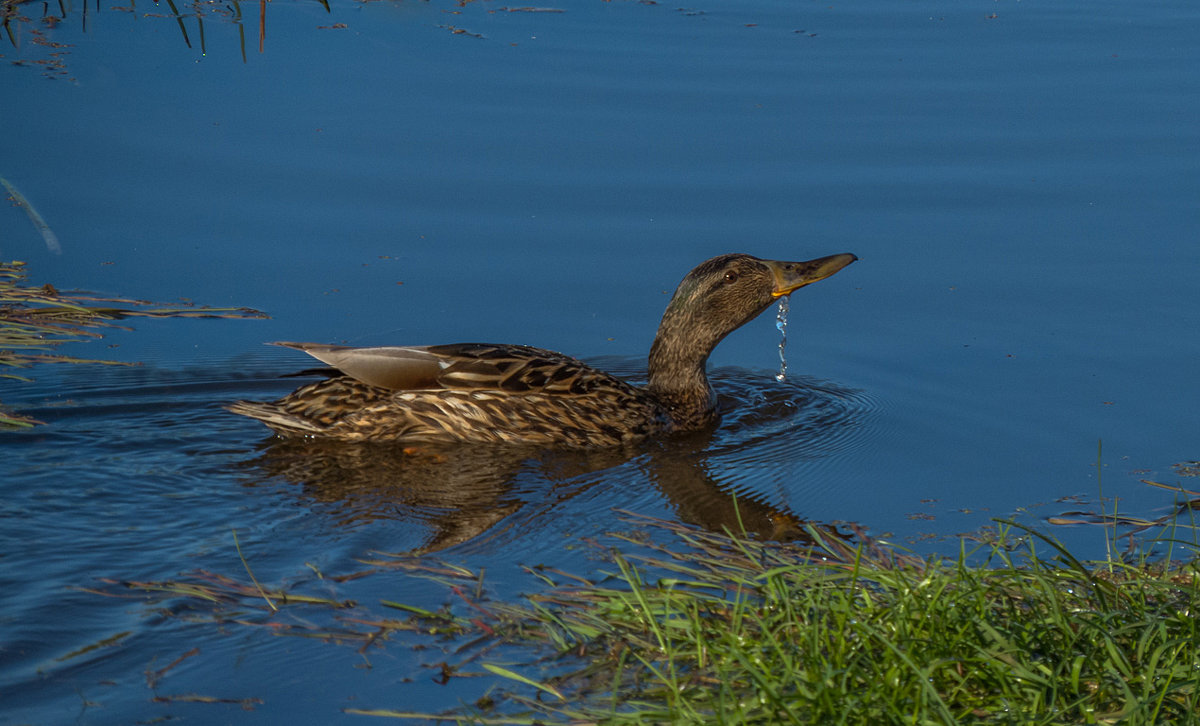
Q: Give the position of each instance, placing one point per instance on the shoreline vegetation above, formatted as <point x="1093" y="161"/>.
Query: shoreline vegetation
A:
<point x="692" y="626"/>
<point x="35" y="320"/>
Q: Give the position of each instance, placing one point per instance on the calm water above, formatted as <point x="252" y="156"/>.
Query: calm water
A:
<point x="1023" y="191"/>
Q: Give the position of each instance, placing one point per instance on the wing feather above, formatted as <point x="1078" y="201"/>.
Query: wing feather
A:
<point x="394" y="367"/>
<point x="511" y="368"/>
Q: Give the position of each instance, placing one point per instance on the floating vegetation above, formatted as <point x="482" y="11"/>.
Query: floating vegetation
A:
<point x="1187" y="503"/>
<point x="27" y="23"/>
<point x="221" y="590"/>
<point x="34" y="24"/>
<point x="703" y="627"/>
<point x="247" y="704"/>
<point x="36" y="320"/>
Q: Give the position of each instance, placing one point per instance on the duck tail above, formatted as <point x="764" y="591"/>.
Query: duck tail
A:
<point x="276" y="418"/>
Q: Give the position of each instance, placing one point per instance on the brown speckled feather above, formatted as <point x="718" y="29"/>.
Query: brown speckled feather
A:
<point x="469" y="392"/>
<point x="517" y="394"/>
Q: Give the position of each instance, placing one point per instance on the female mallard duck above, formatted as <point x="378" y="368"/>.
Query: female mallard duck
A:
<point x="517" y="394"/>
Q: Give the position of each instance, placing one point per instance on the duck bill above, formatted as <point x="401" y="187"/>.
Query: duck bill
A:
<point x="791" y="276"/>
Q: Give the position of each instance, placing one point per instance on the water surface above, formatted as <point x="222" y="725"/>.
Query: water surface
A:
<point x="1019" y="180"/>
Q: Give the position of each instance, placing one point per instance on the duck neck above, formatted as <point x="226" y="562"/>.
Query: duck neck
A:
<point x="678" y="380"/>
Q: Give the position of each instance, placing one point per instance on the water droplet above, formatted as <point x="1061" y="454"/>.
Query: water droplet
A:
<point x="781" y="324"/>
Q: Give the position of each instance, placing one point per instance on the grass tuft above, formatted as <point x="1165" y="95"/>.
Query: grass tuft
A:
<point x="778" y="634"/>
<point x="711" y="628"/>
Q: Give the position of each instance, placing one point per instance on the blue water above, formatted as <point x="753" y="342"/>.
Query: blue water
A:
<point x="1022" y="191"/>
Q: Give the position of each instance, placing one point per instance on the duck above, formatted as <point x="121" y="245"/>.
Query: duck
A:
<point x="517" y="394"/>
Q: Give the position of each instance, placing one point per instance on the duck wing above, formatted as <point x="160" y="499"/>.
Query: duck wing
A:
<point x="510" y="368"/>
<point x="392" y="367"/>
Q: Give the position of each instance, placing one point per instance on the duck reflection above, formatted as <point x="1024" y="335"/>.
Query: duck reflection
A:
<point x="458" y="492"/>
<point x="461" y="492"/>
<point x="682" y="474"/>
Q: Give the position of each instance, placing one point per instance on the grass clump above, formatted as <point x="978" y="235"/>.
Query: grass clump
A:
<point x="708" y="628"/>
<point x="728" y="631"/>
<point x="34" y="320"/>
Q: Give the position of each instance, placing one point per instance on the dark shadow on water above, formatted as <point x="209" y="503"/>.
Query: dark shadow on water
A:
<point x="460" y="493"/>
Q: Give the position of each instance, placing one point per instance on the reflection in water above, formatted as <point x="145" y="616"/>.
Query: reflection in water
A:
<point x="460" y="492"/>
<point x="698" y="499"/>
<point x="28" y="23"/>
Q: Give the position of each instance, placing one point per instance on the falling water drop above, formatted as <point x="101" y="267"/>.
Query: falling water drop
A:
<point x="781" y="324"/>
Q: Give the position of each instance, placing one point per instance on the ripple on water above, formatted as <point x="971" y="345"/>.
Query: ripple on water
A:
<point x="777" y="449"/>
<point x="140" y="475"/>
<point x="785" y="443"/>
<point x="123" y="433"/>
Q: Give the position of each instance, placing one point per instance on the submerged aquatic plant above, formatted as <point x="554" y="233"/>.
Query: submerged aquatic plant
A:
<point x="35" y="320"/>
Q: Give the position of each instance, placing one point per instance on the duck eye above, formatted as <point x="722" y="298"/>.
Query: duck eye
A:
<point x="731" y="276"/>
